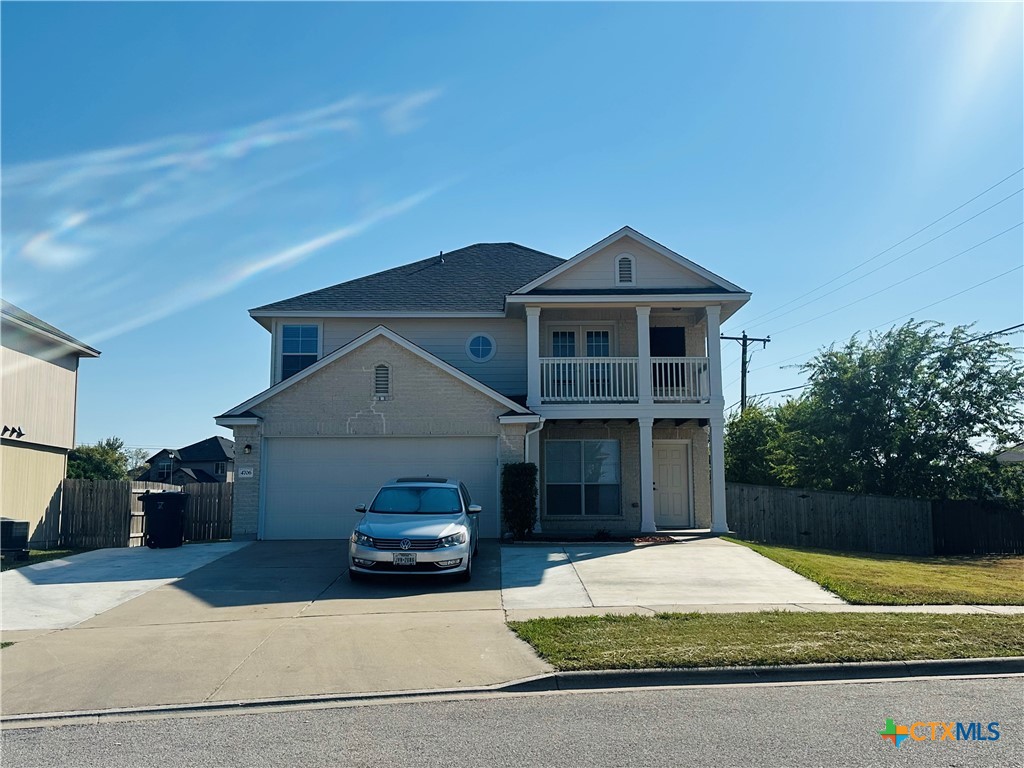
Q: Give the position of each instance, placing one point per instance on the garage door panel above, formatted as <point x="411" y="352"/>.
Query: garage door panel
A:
<point x="312" y="485"/>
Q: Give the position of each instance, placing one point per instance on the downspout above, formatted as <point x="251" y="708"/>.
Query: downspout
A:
<point x="526" y="458"/>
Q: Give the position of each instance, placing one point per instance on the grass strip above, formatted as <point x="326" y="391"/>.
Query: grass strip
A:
<point x="874" y="579"/>
<point x="38" y="556"/>
<point x="766" y="638"/>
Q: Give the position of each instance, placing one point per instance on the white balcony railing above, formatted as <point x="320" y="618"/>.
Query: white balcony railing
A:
<point x="614" y="379"/>
<point x="679" y="379"/>
<point x="588" y="379"/>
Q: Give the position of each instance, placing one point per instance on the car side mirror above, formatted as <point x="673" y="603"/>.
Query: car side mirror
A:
<point x="475" y="509"/>
<point x="360" y="508"/>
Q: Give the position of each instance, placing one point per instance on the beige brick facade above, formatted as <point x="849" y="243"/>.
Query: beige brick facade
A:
<point x="339" y="401"/>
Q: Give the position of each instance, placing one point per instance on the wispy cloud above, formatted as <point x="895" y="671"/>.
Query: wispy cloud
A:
<point x="189" y="204"/>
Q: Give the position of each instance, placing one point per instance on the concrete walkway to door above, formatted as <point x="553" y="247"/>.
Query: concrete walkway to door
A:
<point x="705" y="571"/>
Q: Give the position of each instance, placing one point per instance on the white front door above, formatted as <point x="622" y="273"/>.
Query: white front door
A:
<point x="672" y="507"/>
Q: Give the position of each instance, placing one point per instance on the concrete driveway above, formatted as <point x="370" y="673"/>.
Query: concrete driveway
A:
<point x="698" y="573"/>
<point x="272" y="619"/>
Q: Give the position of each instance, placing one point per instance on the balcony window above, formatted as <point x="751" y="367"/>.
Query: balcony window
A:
<point x="563" y="343"/>
<point x="582" y="477"/>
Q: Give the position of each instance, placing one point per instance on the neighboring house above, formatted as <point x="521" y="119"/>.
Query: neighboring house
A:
<point x="599" y="369"/>
<point x="1012" y="455"/>
<point x="209" y="461"/>
<point x="39" y="364"/>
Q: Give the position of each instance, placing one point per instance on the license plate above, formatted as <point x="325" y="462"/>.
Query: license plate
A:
<point x="404" y="558"/>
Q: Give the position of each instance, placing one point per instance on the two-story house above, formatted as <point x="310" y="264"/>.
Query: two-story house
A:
<point x="604" y="369"/>
<point x="38" y="401"/>
<point x="209" y="461"/>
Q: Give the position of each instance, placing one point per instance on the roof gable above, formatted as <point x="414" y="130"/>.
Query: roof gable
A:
<point x="472" y="279"/>
<point x="379" y="331"/>
<point x="655" y="269"/>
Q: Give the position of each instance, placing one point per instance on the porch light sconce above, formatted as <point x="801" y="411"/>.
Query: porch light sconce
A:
<point x="247" y="450"/>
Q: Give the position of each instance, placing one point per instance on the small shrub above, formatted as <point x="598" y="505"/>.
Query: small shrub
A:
<point x="519" y="498"/>
<point x="602" y="534"/>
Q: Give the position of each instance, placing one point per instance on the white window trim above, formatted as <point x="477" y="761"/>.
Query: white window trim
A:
<point x="474" y="358"/>
<point x="391" y="381"/>
<point x="632" y="268"/>
<point x="279" y="343"/>
<point x="581" y="335"/>
<point x="583" y="497"/>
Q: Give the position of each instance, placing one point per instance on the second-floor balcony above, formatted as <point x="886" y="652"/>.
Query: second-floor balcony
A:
<point x="616" y="380"/>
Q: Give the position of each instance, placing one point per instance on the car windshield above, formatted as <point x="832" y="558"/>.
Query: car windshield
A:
<point x="416" y="500"/>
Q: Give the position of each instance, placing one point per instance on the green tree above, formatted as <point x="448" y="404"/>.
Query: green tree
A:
<point x="750" y="440"/>
<point x="107" y="460"/>
<point x="905" y="413"/>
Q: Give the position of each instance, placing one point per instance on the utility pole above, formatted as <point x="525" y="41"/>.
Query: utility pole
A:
<point x="744" y="341"/>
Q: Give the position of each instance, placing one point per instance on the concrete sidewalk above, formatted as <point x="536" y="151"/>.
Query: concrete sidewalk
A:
<point x="273" y="619"/>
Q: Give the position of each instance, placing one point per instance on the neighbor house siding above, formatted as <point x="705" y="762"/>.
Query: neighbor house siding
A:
<point x="446" y="338"/>
<point x="651" y="270"/>
<point x="39" y="395"/>
<point x="30" y="482"/>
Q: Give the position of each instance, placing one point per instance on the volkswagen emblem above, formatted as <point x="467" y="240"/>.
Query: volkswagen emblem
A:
<point x="405" y="544"/>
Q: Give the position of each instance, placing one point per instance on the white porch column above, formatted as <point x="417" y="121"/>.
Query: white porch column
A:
<point x="532" y="357"/>
<point x="643" y="351"/>
<point x="647" y="475"/>
<point x="719" y="522"/>
<point x="714" y="313"/>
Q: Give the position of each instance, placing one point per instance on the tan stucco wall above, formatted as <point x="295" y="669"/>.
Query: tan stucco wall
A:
<point x="338" y="401"/>
<point x="30" y="480"/>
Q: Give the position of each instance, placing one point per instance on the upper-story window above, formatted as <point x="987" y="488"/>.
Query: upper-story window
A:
<point x="220" y="468"/>
<point x="625" y="270"/>
<point x="480" y="348"/>
<point x="300" y="345"/>
<point x="163" y="471"/>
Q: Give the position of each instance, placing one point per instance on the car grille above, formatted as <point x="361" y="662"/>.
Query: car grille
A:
<point x="415" y="545"/>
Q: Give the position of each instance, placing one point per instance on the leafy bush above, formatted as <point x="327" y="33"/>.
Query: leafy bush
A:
<point x="519" y="498"/>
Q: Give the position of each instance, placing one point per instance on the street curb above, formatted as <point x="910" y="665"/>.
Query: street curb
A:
<point x="547" y="683"/>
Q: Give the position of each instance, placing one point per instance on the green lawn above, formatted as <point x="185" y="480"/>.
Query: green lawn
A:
<point x="38" y="556"/>
<point x="767" y="638"/>
<point x="870" y="579"/>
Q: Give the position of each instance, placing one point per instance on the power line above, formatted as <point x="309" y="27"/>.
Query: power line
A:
<point x="971" y="340"/>
<point x="894" y="245"/>
<point x="882" y="266"/>
<point x="904" y="280"/>
<point x="888" y="322"/>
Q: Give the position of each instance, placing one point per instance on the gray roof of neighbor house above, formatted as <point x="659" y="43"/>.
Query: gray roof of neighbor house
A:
<point x="25" y="318"/>
<point x="476" y="278"/>
<point x="211" y="449"/>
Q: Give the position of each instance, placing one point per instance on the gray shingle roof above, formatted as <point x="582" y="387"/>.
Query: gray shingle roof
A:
<point x="472" y="279"/>
<point x="17" y="313"/>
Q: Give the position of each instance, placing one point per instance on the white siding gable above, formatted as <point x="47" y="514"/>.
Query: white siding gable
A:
<point x="651" y="270"/>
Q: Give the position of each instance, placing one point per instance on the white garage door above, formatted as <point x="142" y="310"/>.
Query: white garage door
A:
<point x="313" y="484"/>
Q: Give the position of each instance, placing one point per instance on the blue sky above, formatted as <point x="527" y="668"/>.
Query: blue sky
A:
<point x="168" y="166"/>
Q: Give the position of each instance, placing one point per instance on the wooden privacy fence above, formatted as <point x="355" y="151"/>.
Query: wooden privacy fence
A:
<point x="830" y="520"/>
<point x="977" y="527"/>
<point x="109" y="513"/>
<point x="861" y="523"/>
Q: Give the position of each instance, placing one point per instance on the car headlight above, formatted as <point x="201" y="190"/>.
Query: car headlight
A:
<point x="454" y="540"/>
<point x="360" y="538"/>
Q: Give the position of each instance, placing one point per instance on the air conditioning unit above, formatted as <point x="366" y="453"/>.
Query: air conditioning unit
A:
<point x="13" y="537"/>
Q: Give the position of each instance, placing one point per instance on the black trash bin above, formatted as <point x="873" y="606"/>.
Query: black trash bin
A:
<point x="165" y="518"/>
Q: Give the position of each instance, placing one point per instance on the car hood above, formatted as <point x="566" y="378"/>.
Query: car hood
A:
<point x="410" y="526"/>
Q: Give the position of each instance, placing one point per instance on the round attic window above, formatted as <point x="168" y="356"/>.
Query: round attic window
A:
<point x="480" y="347"/>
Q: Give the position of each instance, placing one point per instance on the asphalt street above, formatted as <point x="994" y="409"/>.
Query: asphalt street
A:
<point x="793" y="725"/>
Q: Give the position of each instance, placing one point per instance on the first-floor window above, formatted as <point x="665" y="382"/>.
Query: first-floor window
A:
<point x="299" y="348"/>
<point x="582" y="477"/>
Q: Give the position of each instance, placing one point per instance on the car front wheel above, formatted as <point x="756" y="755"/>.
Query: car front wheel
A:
<point x="467" y="574"/>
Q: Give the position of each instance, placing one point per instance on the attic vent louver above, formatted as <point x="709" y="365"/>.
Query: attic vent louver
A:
<point x="382" y="382"/>
<point x="624" y="270"/>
